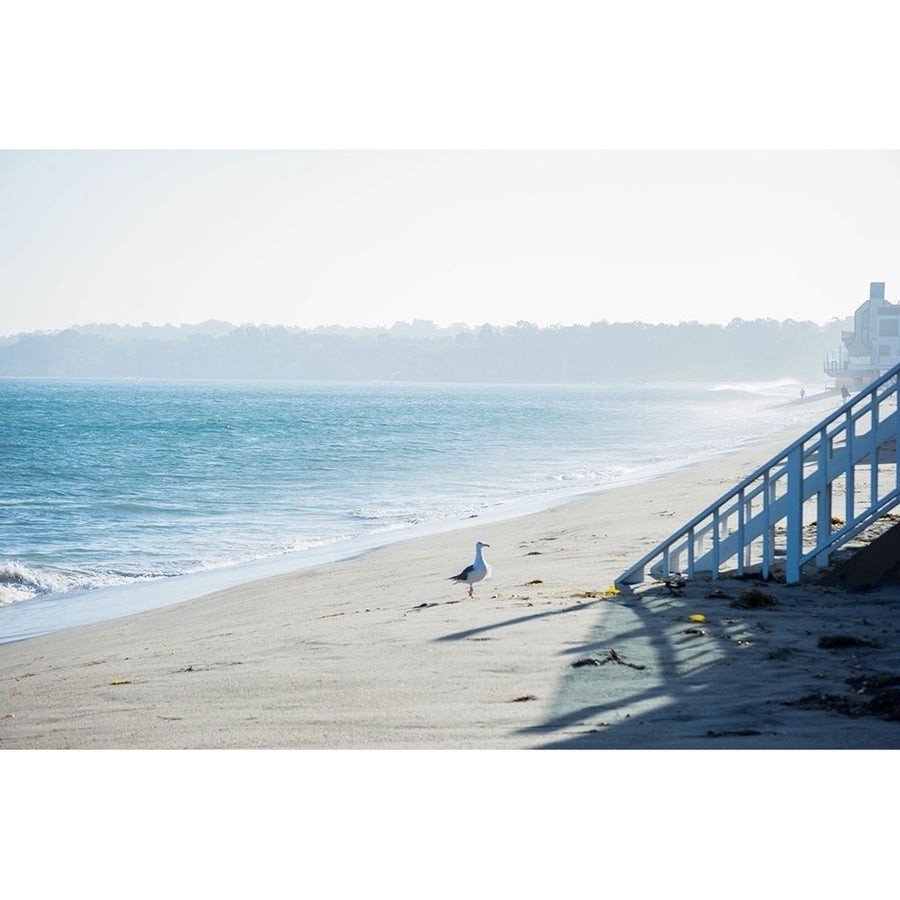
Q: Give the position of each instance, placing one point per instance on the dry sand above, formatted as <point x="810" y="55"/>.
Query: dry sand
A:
<point x="383" y="651"/>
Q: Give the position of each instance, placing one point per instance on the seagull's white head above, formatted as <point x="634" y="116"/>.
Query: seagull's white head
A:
<point x="480" y="544"/>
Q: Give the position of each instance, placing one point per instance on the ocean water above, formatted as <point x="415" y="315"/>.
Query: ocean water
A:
<point x="117" y="496"/>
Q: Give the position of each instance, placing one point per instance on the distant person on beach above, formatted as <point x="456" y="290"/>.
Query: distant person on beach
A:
<point x="802" y="393"/>
<point x="845" y="394"/>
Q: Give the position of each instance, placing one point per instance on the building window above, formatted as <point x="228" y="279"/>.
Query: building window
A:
<point x="888" y="327"/>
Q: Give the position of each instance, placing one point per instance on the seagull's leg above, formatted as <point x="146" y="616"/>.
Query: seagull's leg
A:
<point x="471" y="591"/>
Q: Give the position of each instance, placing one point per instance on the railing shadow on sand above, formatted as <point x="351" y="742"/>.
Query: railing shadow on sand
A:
<point x="713" y="665"/>
<point x="736" y="663"/>
<point x="650" y="679"/>
<point x="622" y="678"/>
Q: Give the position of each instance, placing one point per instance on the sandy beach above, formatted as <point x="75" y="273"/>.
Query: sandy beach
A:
<point x="383" y="651"/>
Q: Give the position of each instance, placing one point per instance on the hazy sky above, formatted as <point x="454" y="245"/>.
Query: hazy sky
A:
<point x="372" y="237"/>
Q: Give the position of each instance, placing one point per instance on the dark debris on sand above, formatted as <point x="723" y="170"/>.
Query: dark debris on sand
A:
<point x="870" y="695"/>
<point x="875" y="694"/>
<point x="843" y="642"/>
<point x="611" y="656"/>
<point x="754" y="598"/>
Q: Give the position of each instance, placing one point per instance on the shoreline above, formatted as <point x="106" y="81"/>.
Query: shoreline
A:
<point x="41" y="615"/>
<point x="35" y="617"/>
<point x="383" y="651"/>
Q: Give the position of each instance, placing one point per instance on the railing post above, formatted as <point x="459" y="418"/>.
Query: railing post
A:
<point x="794" y="548"/>
<point x="823" y="499"/>
<point x="849" y="469"/>
<point x="873" y="443"/>
<point x="715" y="546"/>
<point x="768" y="526"/>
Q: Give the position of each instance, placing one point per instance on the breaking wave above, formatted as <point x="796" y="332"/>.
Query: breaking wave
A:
<point x="778" y="386"/>
<point x="20" y="582"/>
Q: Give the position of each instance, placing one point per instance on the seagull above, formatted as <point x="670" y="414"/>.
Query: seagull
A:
<point x="478" y="570"/>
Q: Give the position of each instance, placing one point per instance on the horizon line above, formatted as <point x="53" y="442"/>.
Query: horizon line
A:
<point x="416" y="323"/>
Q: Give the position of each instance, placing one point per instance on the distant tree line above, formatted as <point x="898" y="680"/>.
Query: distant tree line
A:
<point x="760" y="349"/>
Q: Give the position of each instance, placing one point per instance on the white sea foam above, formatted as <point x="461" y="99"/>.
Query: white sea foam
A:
<point x="21" y="582"/>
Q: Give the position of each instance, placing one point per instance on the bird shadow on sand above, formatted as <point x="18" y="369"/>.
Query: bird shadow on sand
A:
<point x="519" y="620"/>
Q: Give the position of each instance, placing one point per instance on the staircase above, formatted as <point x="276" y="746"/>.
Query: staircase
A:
<point x="760" y="523"/>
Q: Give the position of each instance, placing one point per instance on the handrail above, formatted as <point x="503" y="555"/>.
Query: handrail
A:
<point x="743" y="524"/>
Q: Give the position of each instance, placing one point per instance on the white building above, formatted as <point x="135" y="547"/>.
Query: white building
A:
<point x="872" y="347"/>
